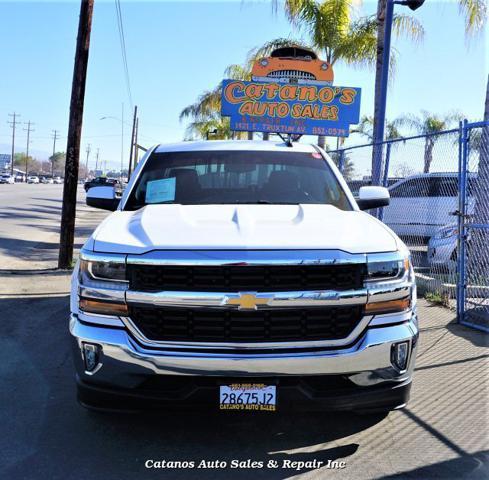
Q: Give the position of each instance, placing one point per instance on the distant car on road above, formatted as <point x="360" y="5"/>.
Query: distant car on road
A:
<point x="422" y="204"/>
<point x="32" y="179"/>
<point x="57" y="180"/>
<point x="102" y="182"/>
<point x="7" y="178"/>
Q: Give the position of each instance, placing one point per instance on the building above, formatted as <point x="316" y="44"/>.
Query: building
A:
<point x="5" y="160"/>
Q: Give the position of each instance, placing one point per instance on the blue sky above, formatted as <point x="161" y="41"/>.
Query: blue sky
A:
<point x="175" y="50"/>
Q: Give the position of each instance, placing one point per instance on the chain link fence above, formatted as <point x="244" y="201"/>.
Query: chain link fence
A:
<point x="423" y="176"/>
<point x="474" y="226"/>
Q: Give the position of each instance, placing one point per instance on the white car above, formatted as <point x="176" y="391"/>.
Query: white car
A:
<point x="422" y="204"/>
<point x="57" y="180"/>
<point x="442" y="248"/>
<point x="242" y="275"/>
<point x="7" y="179"/>
<point x="32" y="179"/>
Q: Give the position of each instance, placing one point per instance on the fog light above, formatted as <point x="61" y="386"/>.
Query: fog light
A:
<point x="91" y="356"/>
<point x="399" y="355"/>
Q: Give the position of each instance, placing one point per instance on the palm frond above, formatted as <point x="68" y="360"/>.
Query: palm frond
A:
<point x="208" y="103"/>
<point x="475" y="13"/>
<point x="408" y="26"/>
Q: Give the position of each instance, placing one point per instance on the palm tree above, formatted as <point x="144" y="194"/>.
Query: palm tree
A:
<point x="335" y="30"/>
<point x="206" y="111"/>
<point x="366" y="128"/>
<point x="429" y="124"/>
<point x="475" y="13"/>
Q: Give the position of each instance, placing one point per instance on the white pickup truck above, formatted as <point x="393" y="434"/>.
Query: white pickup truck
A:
<point x="241" y="275"/>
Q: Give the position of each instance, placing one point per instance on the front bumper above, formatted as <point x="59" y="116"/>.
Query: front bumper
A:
<point x="126" y="368"/>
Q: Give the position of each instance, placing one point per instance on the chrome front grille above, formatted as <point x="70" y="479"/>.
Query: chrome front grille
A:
<point x="292" y="74"/>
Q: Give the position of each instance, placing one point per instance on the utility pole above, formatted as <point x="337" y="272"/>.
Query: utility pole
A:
<point x="55" y="137"/>
<point x="96" y="160"/>
<point x="134" y="119"/>
<point x="88" y="150"/>
<point x="68" y="213"/>
<point x="13" y="124"/>
<point x="29" y="129"/>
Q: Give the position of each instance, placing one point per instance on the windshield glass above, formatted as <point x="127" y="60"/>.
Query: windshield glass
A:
<point x="233" y="177"/>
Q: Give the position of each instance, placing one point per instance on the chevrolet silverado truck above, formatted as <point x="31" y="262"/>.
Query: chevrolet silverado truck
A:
<point x="242" y="275"/>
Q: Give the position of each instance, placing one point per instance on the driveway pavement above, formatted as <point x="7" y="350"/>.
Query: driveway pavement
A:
<point x="442" y="434"/>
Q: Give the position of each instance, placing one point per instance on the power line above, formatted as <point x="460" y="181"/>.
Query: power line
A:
<point x="13" y="124"/>
<point x="122" y="41"/>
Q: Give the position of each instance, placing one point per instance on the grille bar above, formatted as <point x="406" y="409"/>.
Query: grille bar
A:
<point x="273" y="278"/>
<point x="223" y="325"/>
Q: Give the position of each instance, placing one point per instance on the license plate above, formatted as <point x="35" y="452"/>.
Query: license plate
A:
<point x="248" y="396"/>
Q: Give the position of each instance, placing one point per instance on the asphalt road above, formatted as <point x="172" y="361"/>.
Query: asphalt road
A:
<point x="47" y="435"/>
<point x="30" y="216"/>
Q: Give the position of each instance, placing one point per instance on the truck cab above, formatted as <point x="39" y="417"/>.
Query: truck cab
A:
<point x="241" y="275"/>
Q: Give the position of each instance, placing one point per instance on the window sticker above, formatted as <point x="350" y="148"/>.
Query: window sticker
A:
<point x="159" y="191"/>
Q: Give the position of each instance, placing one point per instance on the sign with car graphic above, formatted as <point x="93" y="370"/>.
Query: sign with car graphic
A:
<point x="291" y="92"/>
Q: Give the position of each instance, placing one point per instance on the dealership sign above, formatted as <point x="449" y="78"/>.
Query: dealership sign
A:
<point x="295" y="108"/>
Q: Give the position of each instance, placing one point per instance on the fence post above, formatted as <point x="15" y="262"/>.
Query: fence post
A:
<point x="462" y="183"/>
<point x="385" y="179"/>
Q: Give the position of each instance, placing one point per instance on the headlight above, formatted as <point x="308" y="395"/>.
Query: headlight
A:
<point x="389" y="269"/>
<point x="446" y="233"/>
<point x="324" y="66"/>
<point x="103" y="269"/>
<point x="387" y="266"/>
<point x="102" y="281"/>
<point x="263" y="62"/>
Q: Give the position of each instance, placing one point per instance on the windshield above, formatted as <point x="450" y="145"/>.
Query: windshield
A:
<point x="235" y="177"/>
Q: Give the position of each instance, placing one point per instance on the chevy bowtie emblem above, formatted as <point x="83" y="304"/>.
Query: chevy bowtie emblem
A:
<point x="247" y="301"/>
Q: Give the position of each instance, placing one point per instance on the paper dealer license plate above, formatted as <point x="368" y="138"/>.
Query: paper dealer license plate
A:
<point x="248" y="396"/>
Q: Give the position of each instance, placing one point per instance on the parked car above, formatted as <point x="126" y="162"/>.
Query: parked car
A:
<point x="422" y="204"/>
<point x="101" y="181"/>
<point x="7" y="178"/>
<point x="32" y="179"/>
<point x="242" y="275"/>
<point x="19" y="178"/>
<point x="57" y="180"/>
<point x="443" y="248"/>
<point x="46" y="180"/>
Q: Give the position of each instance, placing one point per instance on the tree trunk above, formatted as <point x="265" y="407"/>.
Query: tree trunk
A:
<point x="321" y="141"/>
<point x="428" y="153"/>
<point x="381" y="7"/>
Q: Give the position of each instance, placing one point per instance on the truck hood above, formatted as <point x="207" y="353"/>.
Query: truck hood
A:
<point x="241" y="227"/>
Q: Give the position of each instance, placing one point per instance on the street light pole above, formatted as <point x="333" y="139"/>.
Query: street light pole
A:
<point x="122" y="142"/>
<point x="384" y="80"/>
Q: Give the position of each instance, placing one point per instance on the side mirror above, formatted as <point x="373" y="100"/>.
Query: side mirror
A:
<point x="373" y="197"/>
<point x="102" y="197"/>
